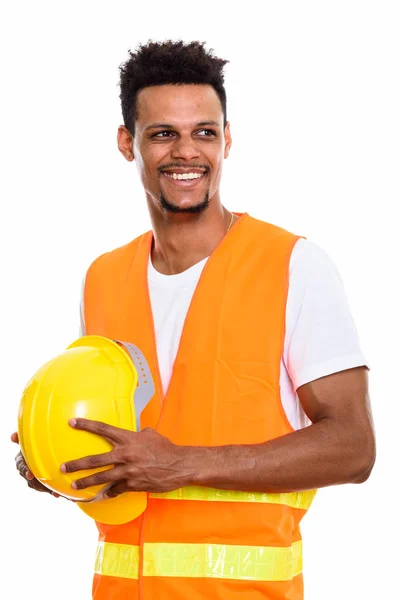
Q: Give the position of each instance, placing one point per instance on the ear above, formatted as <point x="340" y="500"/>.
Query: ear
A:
<point x="228" y="140"/>
<point x="125" y="143"/>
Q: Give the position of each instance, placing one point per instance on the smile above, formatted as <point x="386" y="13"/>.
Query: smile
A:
<point x="184" y="179"/>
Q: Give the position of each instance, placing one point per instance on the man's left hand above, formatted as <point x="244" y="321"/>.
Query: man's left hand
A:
<point x="140" y="462"/>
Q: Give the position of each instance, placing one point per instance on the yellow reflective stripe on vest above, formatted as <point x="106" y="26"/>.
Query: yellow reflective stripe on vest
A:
<point x="301" y="500"/>
<point x="117" y="560"/>
<point x="255" y="563"/>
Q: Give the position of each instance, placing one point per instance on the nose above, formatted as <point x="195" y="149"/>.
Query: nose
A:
<point x="185" y="148"/>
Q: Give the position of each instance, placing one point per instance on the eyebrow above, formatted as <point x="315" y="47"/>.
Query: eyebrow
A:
<point x="167" y="126"/>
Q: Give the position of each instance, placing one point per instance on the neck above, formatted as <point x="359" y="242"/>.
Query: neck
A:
<point x="182" y="240"/>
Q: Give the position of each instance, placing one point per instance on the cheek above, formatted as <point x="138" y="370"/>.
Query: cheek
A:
<point x="218" y="168"/>
<point x="150" y="163"/>
<point x="140" y="164"/>
<point x="216" y="158"/>
<point x="147" y="172"/>
<point x="217" y="174"/>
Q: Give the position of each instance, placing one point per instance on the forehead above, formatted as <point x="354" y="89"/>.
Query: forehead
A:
<point x="172" y="103"/>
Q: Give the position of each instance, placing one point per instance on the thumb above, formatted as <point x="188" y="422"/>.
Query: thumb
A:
<point x="15" y="438"/>
<point x="112" y="492"/>
<point x="115" y="490"/>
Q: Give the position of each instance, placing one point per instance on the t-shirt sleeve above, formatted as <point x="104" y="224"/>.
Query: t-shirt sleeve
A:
<point x="321" y="336"/>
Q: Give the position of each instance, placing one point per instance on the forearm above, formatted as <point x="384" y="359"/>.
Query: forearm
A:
<point x="314" y="457"/>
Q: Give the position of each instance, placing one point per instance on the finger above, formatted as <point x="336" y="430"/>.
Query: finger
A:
<point x="109" y="432"/>
<point x="112" y="492"/>
<point x="23" y="467"/>
<point x="24" y="471"/>
<point x="115" y="490"/>
<point x="89" y="462"/>
<point x="15" y="437"/>
<point x="98" y="478"/>
<point x="37" y="486"/>
<point x="26" y="474"/>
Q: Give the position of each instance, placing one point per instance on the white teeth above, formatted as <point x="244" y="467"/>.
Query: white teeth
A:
<point x="185" y="175"/>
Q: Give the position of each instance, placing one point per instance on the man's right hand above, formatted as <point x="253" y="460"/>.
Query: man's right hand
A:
<point x="24" y="471"/>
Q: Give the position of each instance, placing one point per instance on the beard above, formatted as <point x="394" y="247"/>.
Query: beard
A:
<point x="198" y="208"/>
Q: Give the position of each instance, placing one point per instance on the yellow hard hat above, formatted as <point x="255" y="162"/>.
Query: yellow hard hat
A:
<point x="95" y="378"/>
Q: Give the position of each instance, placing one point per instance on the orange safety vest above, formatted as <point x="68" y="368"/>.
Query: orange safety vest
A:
<point x="199" y="543"/>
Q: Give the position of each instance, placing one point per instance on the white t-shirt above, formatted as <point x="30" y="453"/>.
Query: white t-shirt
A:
<point x="321" y="337"/>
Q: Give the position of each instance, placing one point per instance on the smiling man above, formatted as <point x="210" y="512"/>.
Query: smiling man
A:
<point x="179" y="178"/>
<point x="261" y="386"/>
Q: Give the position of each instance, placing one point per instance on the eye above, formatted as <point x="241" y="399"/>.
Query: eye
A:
<point x="160" y="134"/>
<point x="208" y="132"/>
<point x="167" y="134"/>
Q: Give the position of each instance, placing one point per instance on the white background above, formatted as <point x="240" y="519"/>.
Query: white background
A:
<point x="313" y="99"/>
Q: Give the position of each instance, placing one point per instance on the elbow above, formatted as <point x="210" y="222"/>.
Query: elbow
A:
<point x="365" y="461"/>
<point x="364" y="474"/>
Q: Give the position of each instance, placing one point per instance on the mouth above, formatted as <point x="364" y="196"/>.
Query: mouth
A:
<point x="186" y="180"/>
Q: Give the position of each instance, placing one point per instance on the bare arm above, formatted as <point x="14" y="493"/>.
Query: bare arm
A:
<point x="339" y="447"/>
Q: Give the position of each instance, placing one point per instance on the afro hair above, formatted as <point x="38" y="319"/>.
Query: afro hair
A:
<point x="161" y="63"/>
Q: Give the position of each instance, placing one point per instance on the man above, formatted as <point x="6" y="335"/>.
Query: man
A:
<point x="261" y="386"/>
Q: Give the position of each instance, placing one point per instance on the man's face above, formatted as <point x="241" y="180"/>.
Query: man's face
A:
<point x="179" y="145"/>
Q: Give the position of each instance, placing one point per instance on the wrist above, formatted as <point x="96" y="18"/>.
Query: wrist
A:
<point x="194" y="460"/>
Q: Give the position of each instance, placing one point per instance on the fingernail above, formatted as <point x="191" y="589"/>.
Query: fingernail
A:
<point x="72" y="422"/>
<point x="63" y="468"/>
<point x="74" y="486"/>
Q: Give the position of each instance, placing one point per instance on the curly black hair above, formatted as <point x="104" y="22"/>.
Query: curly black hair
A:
<point x="160" y="63"/>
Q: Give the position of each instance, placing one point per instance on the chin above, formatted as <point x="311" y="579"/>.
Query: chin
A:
<point x="186" y="206"/>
